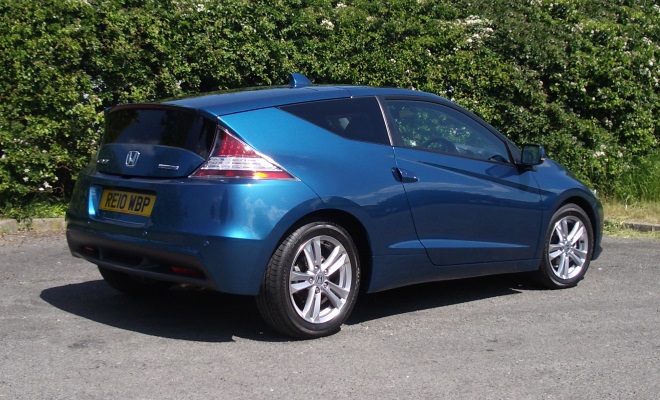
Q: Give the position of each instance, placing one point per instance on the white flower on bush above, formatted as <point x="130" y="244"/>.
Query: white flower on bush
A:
<point x="340" y="5"/>
<point x="47" y="185"/>
<point x="26" y="170"/>
<point x="200" y="6"/>
<point x="25" y="179"/>
<point x="473" y="19"/>
<point x="327" y="24"/>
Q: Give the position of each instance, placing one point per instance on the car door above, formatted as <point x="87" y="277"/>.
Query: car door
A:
<point x="469" y="202"/>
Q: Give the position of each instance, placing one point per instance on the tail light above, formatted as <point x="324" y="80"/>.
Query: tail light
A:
<point x="232" y="158"/>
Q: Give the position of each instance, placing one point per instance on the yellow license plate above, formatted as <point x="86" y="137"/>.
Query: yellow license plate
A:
<point x="127" y="202"/>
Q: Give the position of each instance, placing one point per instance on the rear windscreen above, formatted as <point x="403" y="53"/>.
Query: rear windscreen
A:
<point x="164" y="127"/>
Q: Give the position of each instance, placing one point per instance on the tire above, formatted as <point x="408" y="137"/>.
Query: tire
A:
<point x="131" y="285"/>
<point x="311" y="282"/>
<point x="568" y="248"/>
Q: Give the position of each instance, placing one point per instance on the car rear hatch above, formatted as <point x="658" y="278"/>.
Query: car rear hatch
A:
<point x="146" y="147"/>
<point x="154" y="141"/>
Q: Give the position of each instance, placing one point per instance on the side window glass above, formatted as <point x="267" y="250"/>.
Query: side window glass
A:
<point x="433" y="127"/>
<point x="358" y="118"/>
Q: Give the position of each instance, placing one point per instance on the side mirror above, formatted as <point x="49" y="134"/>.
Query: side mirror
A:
<point x="531" y="155"/>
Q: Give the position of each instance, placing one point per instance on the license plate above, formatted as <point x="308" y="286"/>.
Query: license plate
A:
<point x="127" y="202"/>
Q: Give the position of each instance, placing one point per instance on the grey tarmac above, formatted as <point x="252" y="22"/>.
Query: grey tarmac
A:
<point x="65" y="334"/>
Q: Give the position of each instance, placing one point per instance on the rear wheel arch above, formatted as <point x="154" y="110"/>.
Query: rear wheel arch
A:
<point x="355" y="229"/>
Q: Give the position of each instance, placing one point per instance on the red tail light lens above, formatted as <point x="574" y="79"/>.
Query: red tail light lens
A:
<point x="232" y="158"/>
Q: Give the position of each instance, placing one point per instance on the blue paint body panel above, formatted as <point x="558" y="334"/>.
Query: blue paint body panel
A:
<point x="421" y="216"/>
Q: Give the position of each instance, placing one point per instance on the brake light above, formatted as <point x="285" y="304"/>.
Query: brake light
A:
<point x="232" y="158"/>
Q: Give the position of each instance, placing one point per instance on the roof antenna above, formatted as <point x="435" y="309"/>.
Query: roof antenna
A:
<point x="297" y="80"/>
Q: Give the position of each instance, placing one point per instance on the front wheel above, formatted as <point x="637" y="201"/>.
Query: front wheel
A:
<point x="311" y="283"/>
<point x="568" y="248"/>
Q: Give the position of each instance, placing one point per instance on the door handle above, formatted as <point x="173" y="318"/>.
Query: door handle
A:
<point x="404" y="176"/>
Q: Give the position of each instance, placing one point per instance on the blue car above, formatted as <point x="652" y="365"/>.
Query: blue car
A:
<point x="306" y="195"/>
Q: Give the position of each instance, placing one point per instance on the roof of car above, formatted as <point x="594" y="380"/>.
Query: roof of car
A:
<point x="222" y="103"/>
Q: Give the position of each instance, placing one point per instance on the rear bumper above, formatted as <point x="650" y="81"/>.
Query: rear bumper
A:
<point x="139" y="257"/>
<point x="222" y="264"/>
<point x="204" y="233"/>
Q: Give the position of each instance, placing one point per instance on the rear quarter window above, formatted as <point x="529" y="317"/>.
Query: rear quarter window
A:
<point x="358" y="118"/>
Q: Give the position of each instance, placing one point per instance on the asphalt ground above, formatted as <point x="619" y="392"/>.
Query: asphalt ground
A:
<point x="65" y="334"/>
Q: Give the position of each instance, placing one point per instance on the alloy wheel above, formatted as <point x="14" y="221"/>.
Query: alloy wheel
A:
<point x="568" y="248"/>
<point x="320" y="279"/>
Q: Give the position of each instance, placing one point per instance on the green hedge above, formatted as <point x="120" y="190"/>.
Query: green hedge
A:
<point x="579" y="76"/>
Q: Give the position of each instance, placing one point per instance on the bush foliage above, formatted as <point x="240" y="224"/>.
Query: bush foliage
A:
<point x="578" y="76"/>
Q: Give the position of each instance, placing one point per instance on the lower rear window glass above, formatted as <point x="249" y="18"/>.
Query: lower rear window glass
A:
<point x="160" y="126"/>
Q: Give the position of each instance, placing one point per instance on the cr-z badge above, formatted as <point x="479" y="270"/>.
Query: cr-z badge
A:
<point x="132" y="158"/>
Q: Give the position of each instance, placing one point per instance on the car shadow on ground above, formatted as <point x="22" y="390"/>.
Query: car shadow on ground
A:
<point x="178" y="313"/>
<point x="437" y="294"/>
<point x="206" y="316"/>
